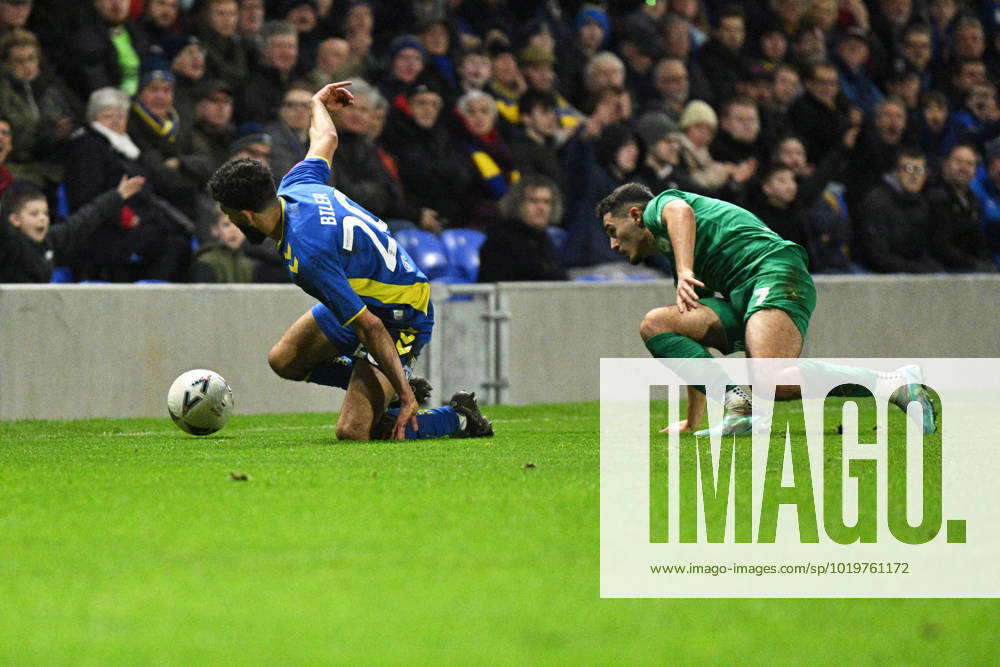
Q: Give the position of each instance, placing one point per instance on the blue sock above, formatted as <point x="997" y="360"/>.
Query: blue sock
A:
<point x="433" y="423"/>
<point x="336" y="373"/>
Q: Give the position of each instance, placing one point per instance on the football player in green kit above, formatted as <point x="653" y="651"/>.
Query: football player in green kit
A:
<point x="768" y="294"/>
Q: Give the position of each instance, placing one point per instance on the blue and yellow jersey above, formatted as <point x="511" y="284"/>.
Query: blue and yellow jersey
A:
<point x="344" y="256"/>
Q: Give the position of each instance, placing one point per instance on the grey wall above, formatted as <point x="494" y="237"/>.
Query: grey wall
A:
<point x="95" y="350"/>
<point x="572" y="327"/>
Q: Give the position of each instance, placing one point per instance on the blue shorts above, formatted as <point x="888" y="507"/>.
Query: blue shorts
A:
<point x="409" y="338"/>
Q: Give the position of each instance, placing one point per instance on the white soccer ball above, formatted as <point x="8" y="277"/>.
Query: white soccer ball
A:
<point x="200" y="401"/>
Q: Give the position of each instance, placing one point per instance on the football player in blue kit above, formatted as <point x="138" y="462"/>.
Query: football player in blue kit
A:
<point x="374" y="312"/>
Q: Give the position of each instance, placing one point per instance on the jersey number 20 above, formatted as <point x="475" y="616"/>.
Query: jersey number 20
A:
<point x="361" y="220"/>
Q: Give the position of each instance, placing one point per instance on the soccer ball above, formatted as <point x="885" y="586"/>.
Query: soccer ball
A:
<point x="200" y="402"/>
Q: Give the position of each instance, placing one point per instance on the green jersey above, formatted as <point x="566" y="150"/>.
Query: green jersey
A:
<point x="729" y="241"/>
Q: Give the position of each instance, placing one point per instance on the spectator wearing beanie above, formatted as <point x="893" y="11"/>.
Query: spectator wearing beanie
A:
<point x="591" y="31"/>
<point x="698" y="125"/>
<point x="407" y="60"/>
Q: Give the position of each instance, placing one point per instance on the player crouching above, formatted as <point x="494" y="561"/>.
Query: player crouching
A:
<point x="374" y="313"/>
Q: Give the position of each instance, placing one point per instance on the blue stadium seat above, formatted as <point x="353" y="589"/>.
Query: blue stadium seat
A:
<point x="462" y="246"/>
<point x="61" y="274"/>
<point x="558" y="236"/>
<point x="426" y="250"/>
<point x="62" y="203"/>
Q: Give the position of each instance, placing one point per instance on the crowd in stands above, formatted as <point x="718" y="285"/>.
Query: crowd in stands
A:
<point x="868" y="131"/>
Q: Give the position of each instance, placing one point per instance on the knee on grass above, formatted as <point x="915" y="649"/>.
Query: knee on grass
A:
<point x="349" y="430"/>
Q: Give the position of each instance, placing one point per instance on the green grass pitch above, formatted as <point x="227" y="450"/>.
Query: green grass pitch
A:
<point x="129" y="542"/>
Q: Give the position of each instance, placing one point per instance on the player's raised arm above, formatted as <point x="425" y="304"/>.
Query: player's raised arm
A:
<point x="678" y="220"/>
<point x="322" y="132"/>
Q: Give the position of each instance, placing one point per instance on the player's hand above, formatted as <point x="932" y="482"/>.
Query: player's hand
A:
<point x="407" y="415"/>
<point x="677" y="427"/>
<point x="335" y="96"/>
<point x="130" y="186"/>
<point x="687" y="297"/>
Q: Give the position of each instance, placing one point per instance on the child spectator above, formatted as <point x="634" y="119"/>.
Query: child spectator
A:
<point x="223" y="260"/>
<point x="29" y="247"/>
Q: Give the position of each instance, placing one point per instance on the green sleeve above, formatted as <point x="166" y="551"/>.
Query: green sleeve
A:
<point x="652" y="215"/>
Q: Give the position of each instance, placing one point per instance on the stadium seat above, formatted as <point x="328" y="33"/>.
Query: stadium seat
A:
<point x="61" y="274"/>
<point x="152" y="281"/>
<point x="558" y="236"/>
<point x="62" y="203"/>
<point x="592" y="278"/>
<point x="462" y="246"/>
<point x="427" y="250"/>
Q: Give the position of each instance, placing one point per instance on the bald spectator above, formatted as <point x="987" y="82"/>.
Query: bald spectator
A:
<point x="332" y="63"/>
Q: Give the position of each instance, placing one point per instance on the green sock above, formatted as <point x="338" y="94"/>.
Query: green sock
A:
<point x="676" y="346"/>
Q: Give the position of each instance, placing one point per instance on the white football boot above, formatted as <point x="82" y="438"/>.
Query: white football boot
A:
<point x="738" y="419"/>
<point x="907" y="382"/>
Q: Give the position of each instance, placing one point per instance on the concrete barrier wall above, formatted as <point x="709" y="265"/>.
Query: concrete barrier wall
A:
<point x="112" y="350"/>
<point x="558" y="332"/>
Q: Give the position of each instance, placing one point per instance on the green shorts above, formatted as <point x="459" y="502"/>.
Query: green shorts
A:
<point x="781" y="281"/>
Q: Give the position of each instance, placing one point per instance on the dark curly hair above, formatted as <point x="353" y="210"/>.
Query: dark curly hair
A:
<point x="623" y="197"/>
<point x="243" y="185"/>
